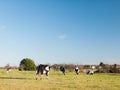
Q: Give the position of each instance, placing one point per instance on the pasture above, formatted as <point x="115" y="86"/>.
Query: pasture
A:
<point x="25" y="80"/>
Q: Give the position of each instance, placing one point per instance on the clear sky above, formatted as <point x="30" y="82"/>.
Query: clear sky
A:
<point x="60" y="31"/>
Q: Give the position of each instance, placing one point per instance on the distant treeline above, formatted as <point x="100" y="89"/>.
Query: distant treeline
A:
<point x="101" y="68"/>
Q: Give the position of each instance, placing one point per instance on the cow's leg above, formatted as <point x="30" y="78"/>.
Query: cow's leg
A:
<point x="47" y="74"/>
<point x="37" y="73"/>
<point x="36" y="76"/>
<point x="64" y="72"/>
<point x="41" y="75"/>
<point x="77" y="71"/>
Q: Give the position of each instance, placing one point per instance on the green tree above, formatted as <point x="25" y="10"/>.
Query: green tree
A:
<point x="27" y="64"/>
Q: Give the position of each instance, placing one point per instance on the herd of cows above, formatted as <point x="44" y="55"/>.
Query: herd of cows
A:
<point x="44" y="69"/>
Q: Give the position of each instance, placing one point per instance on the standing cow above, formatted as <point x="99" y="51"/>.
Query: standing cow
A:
<point x="77" y="70"/>
<point x="42" y="69"/>
<point x="62" y="69"/>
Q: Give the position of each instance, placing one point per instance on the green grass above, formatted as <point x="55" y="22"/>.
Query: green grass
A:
<point x="25" y="80"/>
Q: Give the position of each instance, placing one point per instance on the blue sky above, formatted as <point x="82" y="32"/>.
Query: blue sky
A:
<point x="60" y="31"/>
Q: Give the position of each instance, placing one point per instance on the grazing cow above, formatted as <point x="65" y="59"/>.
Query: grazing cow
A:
<point x="42" y="69"/>
<point x="62" y="69"/>
<point x="90" y="72"/>
<point x="76" y="70"/>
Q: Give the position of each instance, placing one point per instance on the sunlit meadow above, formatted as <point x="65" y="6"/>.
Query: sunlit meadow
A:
<point x="25" y="80"/>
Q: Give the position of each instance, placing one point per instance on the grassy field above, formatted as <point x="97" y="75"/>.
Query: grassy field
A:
<point x="25" y="80"/>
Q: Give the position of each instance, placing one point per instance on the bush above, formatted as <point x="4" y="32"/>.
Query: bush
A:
<point x="27" y="65"/>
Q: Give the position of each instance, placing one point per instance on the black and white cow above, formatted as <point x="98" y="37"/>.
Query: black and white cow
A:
<point x="42" y="69"/>
<point x="62" y="69"/>
<point x="77" y="70"/>
<point x="90" y="72"/>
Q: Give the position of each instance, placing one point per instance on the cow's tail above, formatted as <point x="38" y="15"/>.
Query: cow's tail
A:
<point x="37" y="72"/>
